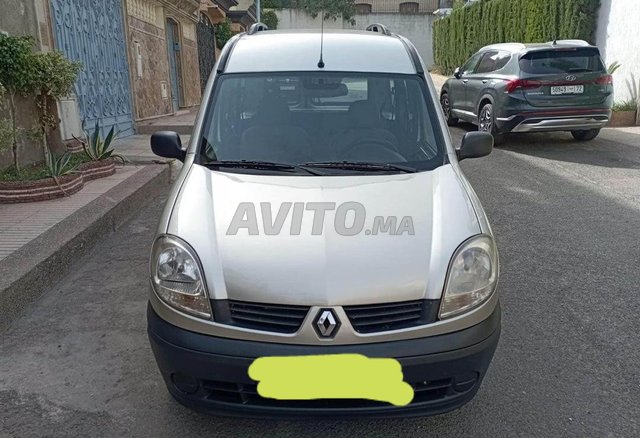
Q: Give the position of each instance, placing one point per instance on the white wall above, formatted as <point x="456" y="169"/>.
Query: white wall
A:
<point x="618" y="37"/>
<point x="416" y="27"/>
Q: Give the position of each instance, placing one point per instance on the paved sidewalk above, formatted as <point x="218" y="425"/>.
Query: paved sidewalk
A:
<point x="40" y="242"/>
<point x="21" y="223"/>
<point x="181" y="122"/>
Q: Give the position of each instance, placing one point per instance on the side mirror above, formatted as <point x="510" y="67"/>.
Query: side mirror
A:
<point x="475" y="145"/>
<point x="167" y="144"/>
<point x="457" y="73"/>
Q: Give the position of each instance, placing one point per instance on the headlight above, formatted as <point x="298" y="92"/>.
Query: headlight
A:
<point x="472" y="276"/>
<point x="177" y="277"/>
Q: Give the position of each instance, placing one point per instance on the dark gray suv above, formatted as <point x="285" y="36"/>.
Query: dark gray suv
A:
<point x="512" y="87"/>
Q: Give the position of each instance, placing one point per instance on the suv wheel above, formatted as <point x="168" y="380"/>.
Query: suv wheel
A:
<point x="446" y="108"/>
<point x="587" y="135"/>
<point x="486" y="123"/>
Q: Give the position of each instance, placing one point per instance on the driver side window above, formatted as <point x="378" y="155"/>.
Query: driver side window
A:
<point x="471" y="64"/>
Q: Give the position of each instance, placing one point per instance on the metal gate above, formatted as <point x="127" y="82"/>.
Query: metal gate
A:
<point x="92" y="32"/>
<point x="206" y="48"/>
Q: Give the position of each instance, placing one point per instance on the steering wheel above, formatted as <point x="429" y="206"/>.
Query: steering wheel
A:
<point x="371" y="149"/>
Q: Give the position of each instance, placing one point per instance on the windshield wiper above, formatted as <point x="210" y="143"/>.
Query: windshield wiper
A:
<point x="361" y="165"/>
<point x="256" y="164"/>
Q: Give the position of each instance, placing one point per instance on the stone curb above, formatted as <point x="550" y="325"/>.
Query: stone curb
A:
<point x="30" y="270"/>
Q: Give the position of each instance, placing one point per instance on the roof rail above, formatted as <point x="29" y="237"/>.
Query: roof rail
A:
<point x="257" y="27"/>
<point x="380" y="28"/>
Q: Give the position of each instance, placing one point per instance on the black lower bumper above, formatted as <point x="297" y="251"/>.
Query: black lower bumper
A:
<point x="210" y="373"/>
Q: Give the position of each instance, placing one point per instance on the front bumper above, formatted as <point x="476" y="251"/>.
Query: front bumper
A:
<point x="210" y="373"/>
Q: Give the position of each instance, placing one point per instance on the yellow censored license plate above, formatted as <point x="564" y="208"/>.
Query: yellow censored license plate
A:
<point x="331" y="376"/>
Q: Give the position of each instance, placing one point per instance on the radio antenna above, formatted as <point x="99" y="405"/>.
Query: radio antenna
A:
<point x="321" y="62"/>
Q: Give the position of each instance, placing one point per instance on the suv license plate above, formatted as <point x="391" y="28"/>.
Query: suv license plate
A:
<point x="567" y="89"/>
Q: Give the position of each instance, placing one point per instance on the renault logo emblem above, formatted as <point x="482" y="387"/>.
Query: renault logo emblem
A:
<point x="571" y="78"/>
<point x="326" y="323"/>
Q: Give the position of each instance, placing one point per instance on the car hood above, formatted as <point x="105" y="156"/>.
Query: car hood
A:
<point x="433" y="211"/>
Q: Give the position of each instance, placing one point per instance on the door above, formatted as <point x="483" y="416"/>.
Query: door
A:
<point x="458" y="88"/>
<point x="206" y="48"/>
<point x="173" y="46"/>
<point x="478" y="80"/>
<point x="93" y="33"/>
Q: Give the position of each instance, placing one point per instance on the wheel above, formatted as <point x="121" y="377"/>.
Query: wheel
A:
<point x="446" y="108"/>
<point x="486" y="123"/>
<point x="587" y="135"/>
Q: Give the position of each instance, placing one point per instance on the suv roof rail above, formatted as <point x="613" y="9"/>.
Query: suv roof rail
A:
<point x="380" y="28"/>
<point x="257" y="27"/>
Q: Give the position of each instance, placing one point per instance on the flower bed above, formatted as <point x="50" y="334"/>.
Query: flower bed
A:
<point x="97" y="169"/>
<point x="40" y="190"/>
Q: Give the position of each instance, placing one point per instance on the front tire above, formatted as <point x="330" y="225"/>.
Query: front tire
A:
<point x="445" y="102"/>
<point x="487" y="123"/>
<point x="586" y="135"/>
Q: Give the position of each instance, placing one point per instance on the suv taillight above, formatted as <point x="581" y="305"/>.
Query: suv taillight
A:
<point x="521" y="84"/>
<point x="605" y="80"/>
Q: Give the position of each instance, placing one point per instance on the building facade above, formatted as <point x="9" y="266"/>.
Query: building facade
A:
<point x="162" y="51"/>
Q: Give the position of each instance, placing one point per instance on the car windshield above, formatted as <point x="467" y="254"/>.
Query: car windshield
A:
<point x="338" y="122"/>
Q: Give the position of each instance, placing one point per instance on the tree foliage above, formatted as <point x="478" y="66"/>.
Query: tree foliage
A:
<point x="270" y="19"/>
<point x="54" y="76"/>
<point x="332" y="9"/>
<point x="223" y="33"/>
<point x="458" y="36"/>
<point x="43" y="76"/>
<point x="17" y="74"/>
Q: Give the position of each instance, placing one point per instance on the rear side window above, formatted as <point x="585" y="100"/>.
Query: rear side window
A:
<point x="492" y="61"/>
<point x="578" y="60"/>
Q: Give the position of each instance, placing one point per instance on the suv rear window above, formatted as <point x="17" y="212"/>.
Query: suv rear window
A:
<point x="562" y="61"/>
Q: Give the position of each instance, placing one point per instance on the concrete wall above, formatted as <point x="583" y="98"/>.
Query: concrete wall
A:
<point x="617" y="39"/>
<point x="416" y="27"/>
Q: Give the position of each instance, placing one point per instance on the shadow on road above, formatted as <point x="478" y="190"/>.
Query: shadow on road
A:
<point x="612" y="149"/>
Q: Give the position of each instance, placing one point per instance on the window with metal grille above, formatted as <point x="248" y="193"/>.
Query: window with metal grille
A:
<point x="363" y="8"/>
<point x="409" y="8"/>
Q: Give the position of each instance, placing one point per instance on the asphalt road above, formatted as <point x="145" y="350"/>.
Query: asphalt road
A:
<point x="567" y="221"/>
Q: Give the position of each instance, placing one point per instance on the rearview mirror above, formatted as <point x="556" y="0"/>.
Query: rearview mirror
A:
<point x="456" y="73"/>
<point x="475" y="145"/>
<point x="167" y="144"/>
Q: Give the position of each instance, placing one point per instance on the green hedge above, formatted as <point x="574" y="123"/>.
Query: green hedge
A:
<point x="466" y="30"/>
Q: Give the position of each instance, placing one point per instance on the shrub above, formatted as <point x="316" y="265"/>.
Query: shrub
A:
<point x="628" y="105"/>
<point x="270" y="19"/>
<point x="223" y="33"/>
<point x="466" y="30"/>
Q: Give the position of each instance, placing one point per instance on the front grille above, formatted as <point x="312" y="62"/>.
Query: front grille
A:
<point x="247" y="394"/>
<point x="266" y="317"/>
<point x="372" y="318"/>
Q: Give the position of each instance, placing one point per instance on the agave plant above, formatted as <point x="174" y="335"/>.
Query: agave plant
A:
<point x="613" y="67"/>
<point x="59" y="166"/>
<point x="98" y="149"/>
